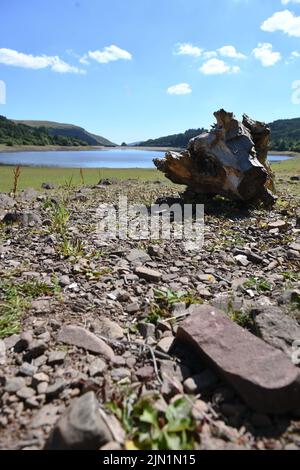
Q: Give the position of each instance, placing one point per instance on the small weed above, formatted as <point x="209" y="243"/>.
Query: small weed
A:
<point x="59" y="218"/>
<point x="150" y="429"/>
<point x="71" y="248"/>
<point x="261" y="285"/>
<point x="163" y="301"/>
<point x="82" y="176"/>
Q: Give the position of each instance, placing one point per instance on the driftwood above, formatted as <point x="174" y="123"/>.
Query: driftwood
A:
<point x="230" y="160"/>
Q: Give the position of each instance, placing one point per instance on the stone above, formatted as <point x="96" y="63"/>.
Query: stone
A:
<point x="146" y="330"/>
<point x="47" y="416"/>
<point x="53" y="390"/>
<point x="81" y="427"/>
<point x="132" y="308"/>
<point x="2" y="352"/>
<point x="6" y="201"/>
<point x="27" y="370"/>
<point x="295" y="246"/>
<point x="56" y="358"/>
<point x="145" y="373"/>
<point x="120" y="373"/>
<point x="165" y="344"/>
<point x="14" y="384"/>
<point x="109" y="329"/>
<point x="262" y="375"/>
<point x="35" y="349"/>
<point x="242" y="260"/>
<point x="48" y="186"/>
<point x="11" y="341"/>
<point x="97" y="367"/>
<point x="138" y="256"/>
<point x="25" y="392"/>
<point x="200" y="382"/>
<point x="278" y="224"/>
<point x="40" y="305"/>
<point x="24" y="341"/>
<point x="64" y="281"/>
<point x="82" y="338"/>
<point x="277" y="328"/>
<point x="149" y="274"/>
<point x="30" y="218"/>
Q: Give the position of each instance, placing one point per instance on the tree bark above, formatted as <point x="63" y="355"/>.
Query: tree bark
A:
<point x="230" y="160"/>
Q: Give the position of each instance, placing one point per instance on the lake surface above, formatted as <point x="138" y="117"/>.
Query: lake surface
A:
<point x="110" y="158"/>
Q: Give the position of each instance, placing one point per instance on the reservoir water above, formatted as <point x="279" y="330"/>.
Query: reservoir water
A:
<point x="108" y="158"/>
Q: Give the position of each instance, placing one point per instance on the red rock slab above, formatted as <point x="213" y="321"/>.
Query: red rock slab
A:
<point x="264" y="376"/>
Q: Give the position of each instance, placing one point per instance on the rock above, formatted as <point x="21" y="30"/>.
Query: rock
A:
<point x="11" y="341"/>
<point x="2" y="352"/>
<point x="261" y="374"/>
<point x="109" y="329"/>
<point x="48" y="186"/>
<point x="290" y="296"/>
<point x="27" y="370"/>
<point x="82" y="338"/>
<point x="25" y="392"/>
<point x="24" y="342"/>
<point x="148" y="274"/>
<point x="200" y="382"/>
<point x="120" y="373"/>
<point x="30" y="218"/>
<point x="145" y="373"/>
<point x="14" y="384"/>
<point x="29" y="194"/>
<point x="147" y="330"/>
<point x="260" y="420"/>
<point x="40" y="305"/>
<point x="242" y="260"/>
<point x="165" y="344"/>
<point x="277" y="328"/>
<point x="295" y="178"/>
<point x="35" y="349"/>
<point x="56" y="357"/>
<point x="53" y="390"/>
<point x="81" y="427"/>
<point x="47" y="416"/>
<point x="132" y="308"/>
<point x="138" y="256"/>
<point x="6" y="201"/>
<point x="278" y="224"/>
<point x="64" y="281"/>
<point x="97" y="367"/>
<point x="295" y="246"/>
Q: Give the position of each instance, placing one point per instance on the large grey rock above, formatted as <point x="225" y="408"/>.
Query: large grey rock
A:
<point x="82" y="338"/>
<point x="136" y="256"/>
<point x="6" y="201"/>
<point x="109" y="329"/>
<point x="81" y="427"/>
<point x="264" y="376"/>
<point x="277" y="328"/>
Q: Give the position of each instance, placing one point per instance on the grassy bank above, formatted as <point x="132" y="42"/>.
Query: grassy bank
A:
<point x="34" y="176"/>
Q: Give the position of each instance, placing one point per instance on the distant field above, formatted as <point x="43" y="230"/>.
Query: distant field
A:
<point x="34" y="176"/>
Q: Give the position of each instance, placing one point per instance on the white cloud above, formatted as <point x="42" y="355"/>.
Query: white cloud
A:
<point x="209" y="54"/>
<point x="285" y="2"/>
<point x="108" y="54"/>
<point x="180" y="89"/>
<point x="295" y="54"/>
<point x="230" y="51"/>
<point x="188" y="49"/>
<point x="264" y="52"/>
<point x="285" y="21"/>
<point x="29" y="61"/>
<point x="218" y="67"/>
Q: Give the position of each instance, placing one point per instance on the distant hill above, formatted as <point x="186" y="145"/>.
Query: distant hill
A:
<point x="13" y="133"/>
<point x="285" y="136"/>
<point x="69" y="130"/>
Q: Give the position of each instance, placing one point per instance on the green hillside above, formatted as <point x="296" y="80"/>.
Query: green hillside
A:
<point x="69" y="130"/>
<point x="12" y="133"/>
<point x="285" y="136"/>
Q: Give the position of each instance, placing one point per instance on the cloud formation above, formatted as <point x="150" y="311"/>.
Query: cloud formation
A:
<point x="230" y="51"/>
<point x="265" y="54"/>
<point x="180" y="89"/>
<point x="218" y="67"/>
<point x="108" y="54"/>
<point x="29" y="61"/>
<point x="284" y="21"/>
<point x="187" y="49"/>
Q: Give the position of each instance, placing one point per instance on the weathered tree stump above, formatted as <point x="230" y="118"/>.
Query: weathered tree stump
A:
<point x="230" y="160"/>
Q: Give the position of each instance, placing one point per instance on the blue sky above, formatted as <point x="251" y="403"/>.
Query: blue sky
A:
<point x="136" y="69"/>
